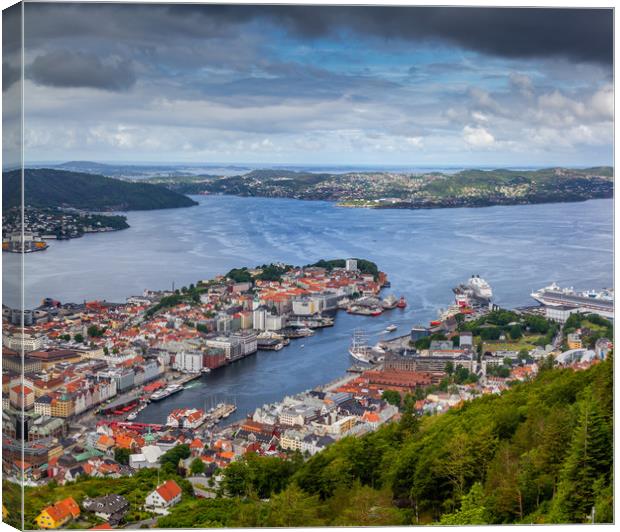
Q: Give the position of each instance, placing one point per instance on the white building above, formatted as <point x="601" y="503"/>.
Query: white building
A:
<point x="247" y="340"/>
<point x="274" y="323"/>
<point x="559" y="313"/>
<point x="351" y="265"/>
<point x="22" y="340"/>
<point x="163" y="497"/>
<point x="148" y="457"/>
<point x="188" y="361"/>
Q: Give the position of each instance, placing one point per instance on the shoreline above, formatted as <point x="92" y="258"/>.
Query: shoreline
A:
<point x="400" y="205"/>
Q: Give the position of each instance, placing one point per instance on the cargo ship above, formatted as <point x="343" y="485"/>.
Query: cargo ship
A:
<point x="588" y="301"/>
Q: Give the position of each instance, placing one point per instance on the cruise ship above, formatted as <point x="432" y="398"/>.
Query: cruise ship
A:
<point x="590" y="301"/>
<point x="475" y="289"/>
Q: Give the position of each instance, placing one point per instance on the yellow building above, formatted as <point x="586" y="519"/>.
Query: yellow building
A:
<point x="58" y="514"/>
<point x="63" y="406"/>
<point x="574" y="341"/>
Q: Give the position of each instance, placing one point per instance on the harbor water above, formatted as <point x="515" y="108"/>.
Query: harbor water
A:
<point x="425" y="253"/>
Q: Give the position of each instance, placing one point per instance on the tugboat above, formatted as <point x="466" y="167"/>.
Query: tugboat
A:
<point x="402" y="302"/>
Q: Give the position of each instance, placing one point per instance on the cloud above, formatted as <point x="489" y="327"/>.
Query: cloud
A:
<point x="477" y="137"/>
<point x="416" y="142"/>
<point x="65" y="68"/>
<point x="602" y="102"/>
<point x="580" y="35"/>
<point x="479" y="117"/>
<point x="10" y="75"/>
<point x="522" y="83"/>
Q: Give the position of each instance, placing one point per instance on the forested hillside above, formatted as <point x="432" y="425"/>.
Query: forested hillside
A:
<point x="539" y="453"/>
<point x="60" y="188"/>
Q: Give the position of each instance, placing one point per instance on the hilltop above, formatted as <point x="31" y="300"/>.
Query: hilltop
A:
<point x="47" y="188"/>
<point x="467" y="188"/>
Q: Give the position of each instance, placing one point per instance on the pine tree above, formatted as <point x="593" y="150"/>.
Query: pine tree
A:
<point x="588" y="460"/>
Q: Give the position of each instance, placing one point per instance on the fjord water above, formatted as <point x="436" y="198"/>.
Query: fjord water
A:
<point x="424" y="252"/>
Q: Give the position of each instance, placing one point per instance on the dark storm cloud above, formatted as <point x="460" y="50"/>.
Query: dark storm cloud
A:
<point x="64" y="68"/>
<point x="580" y="35"/>
<point x="10" y="74"/>
<point x="576" y="34"/>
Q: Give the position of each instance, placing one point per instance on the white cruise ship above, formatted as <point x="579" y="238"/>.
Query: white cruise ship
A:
<point x="590" y="301"/>
<point x="480" y="288"/>
<point x="475" y="291"/>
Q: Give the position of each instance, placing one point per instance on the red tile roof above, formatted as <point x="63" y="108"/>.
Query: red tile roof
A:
<point x="169" y="490"/>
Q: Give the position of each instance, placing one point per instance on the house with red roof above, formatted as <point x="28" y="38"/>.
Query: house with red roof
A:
<point x="163" y="497"/>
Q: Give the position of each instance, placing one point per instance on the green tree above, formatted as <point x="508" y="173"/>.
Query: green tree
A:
<point x="197" y="467"/>
<point x="94" y="331"/>
<point x="588" y="462"/>
<point x="516" y="332"/>
<point x="171" y="457"/>
<point x="472" y="510"/>
<point x="121" y="455"/>
<point x="79" y="338"/>
<point x="293" y="508"/>
<point x="392" y="397"/>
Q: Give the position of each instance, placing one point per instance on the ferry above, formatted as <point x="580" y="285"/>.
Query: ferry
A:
<point x="166" y="392"/>
<point x="589" y="301"/>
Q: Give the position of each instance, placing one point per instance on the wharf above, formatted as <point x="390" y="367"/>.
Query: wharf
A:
<point x="188" y="378"/>
<point x="336" y="383"/>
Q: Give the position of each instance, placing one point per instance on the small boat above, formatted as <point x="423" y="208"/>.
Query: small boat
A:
<point x="391" y="328"/>
<point x="302" y="346"/>
<point x="402" y="302"/>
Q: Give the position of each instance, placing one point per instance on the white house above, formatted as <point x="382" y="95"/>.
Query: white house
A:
<point x="163" y="497"/>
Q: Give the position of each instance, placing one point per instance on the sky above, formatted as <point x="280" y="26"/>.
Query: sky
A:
<point x="313" y="85"/>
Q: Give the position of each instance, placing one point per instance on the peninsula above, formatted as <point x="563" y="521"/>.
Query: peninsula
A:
<point x="467" y="188"/>
<point x="47" y="188"/>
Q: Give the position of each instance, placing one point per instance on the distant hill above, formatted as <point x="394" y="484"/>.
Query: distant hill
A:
<point x="382" y="189"/>
<point x="60" y="188"/>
